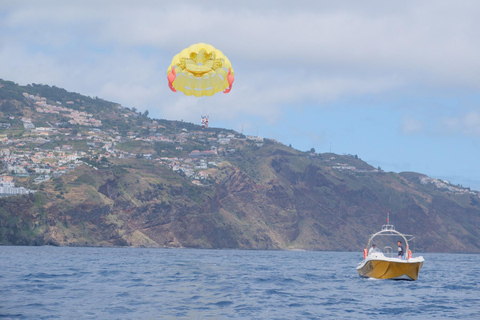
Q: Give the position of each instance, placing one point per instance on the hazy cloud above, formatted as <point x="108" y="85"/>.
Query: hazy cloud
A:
<point x="313" y="52"/>
<point x="383" y="58"/>
<point x="411" y="125"/>
<point x="467" y="124"/>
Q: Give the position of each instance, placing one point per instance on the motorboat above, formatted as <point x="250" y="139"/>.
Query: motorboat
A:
<point x="384" y="264"/>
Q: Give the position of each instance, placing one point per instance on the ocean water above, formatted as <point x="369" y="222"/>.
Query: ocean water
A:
<point x="135" y="283"/>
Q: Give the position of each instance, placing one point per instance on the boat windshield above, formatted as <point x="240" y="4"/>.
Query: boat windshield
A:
<point x="376" y="254"/>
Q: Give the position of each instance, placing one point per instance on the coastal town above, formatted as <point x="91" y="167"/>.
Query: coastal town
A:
<point x="29" y="155"/>
<point x="52" y="150"/>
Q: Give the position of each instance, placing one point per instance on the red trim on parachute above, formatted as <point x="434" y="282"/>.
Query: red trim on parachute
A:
<point x="230" y="80"/>
<point x="171" y="77"/>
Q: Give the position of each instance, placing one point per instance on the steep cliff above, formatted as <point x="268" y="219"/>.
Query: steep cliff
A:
<point x="294" y="206"/>
<point x="142" y="190"/>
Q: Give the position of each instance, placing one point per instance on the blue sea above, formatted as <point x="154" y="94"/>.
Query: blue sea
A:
<point x="137" y="283"/>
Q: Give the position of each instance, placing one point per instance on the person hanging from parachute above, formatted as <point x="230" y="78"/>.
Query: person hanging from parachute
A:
<point x="204" y="122"/>
<point x="200" y="70"/>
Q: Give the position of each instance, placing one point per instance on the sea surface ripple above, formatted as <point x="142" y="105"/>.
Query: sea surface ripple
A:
<point x="138" y="283"/>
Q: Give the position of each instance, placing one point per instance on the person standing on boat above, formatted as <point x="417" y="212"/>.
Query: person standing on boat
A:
<point x="400" y="250"/>
<point x="373" y="249"/>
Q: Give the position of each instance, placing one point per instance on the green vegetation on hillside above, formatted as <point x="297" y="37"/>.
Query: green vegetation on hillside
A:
<point x="104" y="175"/>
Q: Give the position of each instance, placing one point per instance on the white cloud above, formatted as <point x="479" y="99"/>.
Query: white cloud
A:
<point x="288" y="57"/>
<point x="314" y="52"/>
<point x="411" y="125"/>
<point x="467" y="124"/>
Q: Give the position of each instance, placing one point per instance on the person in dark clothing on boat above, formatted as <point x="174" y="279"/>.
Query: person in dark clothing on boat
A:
<point x="400" y="250"/>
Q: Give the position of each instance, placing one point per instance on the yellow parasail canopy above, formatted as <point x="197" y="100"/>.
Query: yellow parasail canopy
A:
<point x="200" y="70"/>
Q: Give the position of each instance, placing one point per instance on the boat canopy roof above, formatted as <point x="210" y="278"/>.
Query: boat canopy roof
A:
<point x="389" y="230"/>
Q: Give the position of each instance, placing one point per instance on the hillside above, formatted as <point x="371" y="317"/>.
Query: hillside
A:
<point x="99" y="174"/>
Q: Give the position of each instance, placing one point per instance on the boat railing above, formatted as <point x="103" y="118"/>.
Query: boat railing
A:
<point x="389" y="230"/>
<point x="388" y="251"/>
<point x="387" y="227"/>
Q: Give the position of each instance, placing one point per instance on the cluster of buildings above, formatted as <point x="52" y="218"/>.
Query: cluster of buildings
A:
<point x="7" y="187"/>
<point x="195" y="166"/>
<point x="76" y="117"/>
<point x="195" y="169"/>
<point x="346" y="167"/>
<point x="198" y="162"/>
<point x="24" y="156"/>
<point x="446" y="185"/>
<point x="43" y="165"/>
<point x="21" y="157"/>
<point x="334" y="164"/>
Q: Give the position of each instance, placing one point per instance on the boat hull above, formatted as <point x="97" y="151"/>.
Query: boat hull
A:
<point x="389" y="269"/>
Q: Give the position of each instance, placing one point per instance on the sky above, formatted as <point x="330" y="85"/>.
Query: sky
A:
<point x="394" y="82"/>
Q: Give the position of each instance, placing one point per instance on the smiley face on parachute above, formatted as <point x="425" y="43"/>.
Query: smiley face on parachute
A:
<point x="200" y="70"/>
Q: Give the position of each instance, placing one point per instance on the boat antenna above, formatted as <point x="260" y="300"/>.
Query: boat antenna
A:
<point x="388" y="226"/>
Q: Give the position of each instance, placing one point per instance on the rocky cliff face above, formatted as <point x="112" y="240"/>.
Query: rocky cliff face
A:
<point x="295" y="206"/>
<point x="259" y="196"/>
